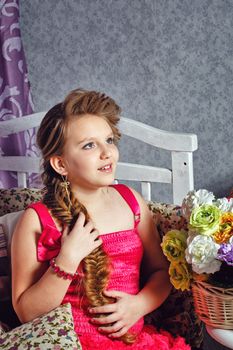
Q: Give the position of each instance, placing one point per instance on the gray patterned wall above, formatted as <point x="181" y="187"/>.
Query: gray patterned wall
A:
<point x="167" y="62"/>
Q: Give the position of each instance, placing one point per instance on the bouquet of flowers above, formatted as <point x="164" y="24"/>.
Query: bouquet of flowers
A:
<point x="203" y="252"/>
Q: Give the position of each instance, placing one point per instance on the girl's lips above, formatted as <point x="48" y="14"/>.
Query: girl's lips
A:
<point x="107" y="168"/>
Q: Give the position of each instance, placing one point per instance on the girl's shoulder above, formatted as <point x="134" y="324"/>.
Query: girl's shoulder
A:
<point x="134" y="199"/>
<point x="141" y="201"/>
<point x="129" y="193"/>
<point x="27" y="229"/>
<point x="146" y="223"/>
<point x="31" y="219"/>
<point x="34" y="218"/>
<point x="44" y="215"/>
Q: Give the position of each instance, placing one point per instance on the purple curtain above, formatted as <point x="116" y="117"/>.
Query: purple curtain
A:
<point x="15" y="96"/>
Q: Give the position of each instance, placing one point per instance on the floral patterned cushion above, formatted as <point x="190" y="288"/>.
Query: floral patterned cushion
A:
<point x="177" y="314"/>
<point x="5" y="290"/>
<point x="8" y="318"/>
<point x="167" y="217"/>
<point x="52" y="331"/>
<point x="15" y="199"/>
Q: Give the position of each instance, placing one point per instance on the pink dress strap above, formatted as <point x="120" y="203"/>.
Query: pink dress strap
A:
<point x="49" y="243"/>
<point x="43" y="214"/>
<point x="130" y="199"/>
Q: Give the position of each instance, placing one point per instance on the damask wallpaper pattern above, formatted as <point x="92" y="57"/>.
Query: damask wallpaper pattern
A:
<point x="15" y="96"/>
<point x="167" y="62"/>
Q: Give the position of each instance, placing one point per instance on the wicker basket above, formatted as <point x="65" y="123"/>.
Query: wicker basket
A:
<point x="213" y="305"/>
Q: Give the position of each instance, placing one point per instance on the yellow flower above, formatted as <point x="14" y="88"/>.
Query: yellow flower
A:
<point x="174" y="245"/>
<point x="225" y="229"/>
<point x="180" y="276"/>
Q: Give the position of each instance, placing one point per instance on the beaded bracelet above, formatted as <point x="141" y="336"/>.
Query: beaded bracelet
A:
<point x="61" y="273"/>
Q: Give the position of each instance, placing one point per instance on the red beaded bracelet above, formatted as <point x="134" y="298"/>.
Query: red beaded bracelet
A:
<point x="61" y="273"/>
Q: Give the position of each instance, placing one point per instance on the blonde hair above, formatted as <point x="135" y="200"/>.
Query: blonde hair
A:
<point x="51" y="138"/>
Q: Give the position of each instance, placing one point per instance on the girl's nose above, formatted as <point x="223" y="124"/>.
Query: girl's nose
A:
<point x="105" y="152"/>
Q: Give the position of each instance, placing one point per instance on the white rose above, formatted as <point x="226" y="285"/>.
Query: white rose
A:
<point x="224" y="204"/>
<point x="194" y="199"/>
<point x="201" y="253"/>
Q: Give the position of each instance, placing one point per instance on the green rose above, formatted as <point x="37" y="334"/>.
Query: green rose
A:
<point x="174" y="245"/>
<point x="205" y="219"/>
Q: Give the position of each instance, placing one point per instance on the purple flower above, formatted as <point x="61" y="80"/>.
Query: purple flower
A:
<point x="225" y="253"/>
<point x="2" y="340"/>
<point x="51" y="318"/>
<point x="62" y="332"/>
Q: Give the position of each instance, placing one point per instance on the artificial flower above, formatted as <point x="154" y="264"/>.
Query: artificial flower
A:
<point x="225" y="231"/>
<point x="194" y="199"/>
<point x="208" y="255"/>
<point x="205" y="219"/>
<point x="225" y="253"/>
<point x="201" y="253"/>
<point x="174" y="245"/>
<point x="225" y="204"/>
<point x="180" y="276"/>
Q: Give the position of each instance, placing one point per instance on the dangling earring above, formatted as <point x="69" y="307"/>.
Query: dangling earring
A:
<point x="65" y="184"/>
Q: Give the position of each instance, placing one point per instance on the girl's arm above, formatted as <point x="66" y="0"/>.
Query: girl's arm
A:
<point x="36" y="289"/>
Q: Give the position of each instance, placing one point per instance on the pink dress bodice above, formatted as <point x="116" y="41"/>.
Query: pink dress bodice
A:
<point x="125" y="251"/>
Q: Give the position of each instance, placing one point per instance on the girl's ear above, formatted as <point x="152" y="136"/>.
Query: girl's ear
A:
<point x="58" y="165"/>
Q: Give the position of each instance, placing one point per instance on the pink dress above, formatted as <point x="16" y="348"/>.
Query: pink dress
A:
<point x="125" y="251"/>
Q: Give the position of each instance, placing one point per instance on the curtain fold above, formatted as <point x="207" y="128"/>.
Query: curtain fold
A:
<point x="15" y="96"/>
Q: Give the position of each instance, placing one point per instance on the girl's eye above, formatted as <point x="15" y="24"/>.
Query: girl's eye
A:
<point x="88" y="145"/>
<point x="110" y="140"/>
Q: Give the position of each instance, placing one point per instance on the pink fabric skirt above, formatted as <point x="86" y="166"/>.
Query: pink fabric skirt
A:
<point x="148" y="339"/>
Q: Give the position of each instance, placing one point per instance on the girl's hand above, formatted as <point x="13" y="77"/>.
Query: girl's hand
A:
<point x="121" y="315"/>
<point x="79" y="242"/>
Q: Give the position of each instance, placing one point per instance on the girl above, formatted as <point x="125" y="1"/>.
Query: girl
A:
<point x="85" y="241"/>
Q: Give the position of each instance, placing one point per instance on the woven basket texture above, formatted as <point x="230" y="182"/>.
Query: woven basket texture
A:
<point x="213" y="305"/>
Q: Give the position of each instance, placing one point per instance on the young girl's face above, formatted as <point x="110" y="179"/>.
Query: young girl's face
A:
<point x="90" y="154"/>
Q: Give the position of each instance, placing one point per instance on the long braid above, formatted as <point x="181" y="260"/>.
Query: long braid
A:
<point x="66" y="208"/>
<point x="67" y="211"/>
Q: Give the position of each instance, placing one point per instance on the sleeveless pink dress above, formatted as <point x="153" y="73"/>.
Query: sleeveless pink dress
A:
<point x="125" y="251"/>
